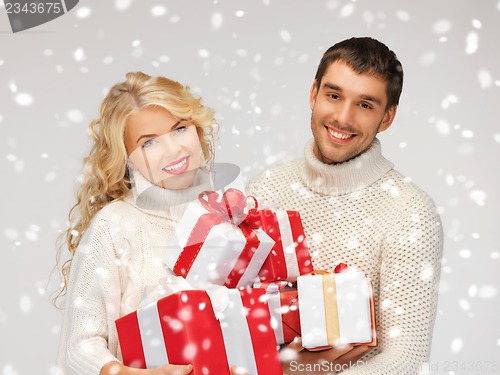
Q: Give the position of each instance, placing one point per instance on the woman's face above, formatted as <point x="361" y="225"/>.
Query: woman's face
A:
<point x="166" y="150"/>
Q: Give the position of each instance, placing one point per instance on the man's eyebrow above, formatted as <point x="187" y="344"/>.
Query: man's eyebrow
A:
<point x="332" y="86"/>
<point x="370" y="98"/>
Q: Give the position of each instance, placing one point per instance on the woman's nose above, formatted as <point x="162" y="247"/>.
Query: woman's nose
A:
<point x="170" y="143"/>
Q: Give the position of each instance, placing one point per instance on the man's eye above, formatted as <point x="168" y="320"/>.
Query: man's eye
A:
<point x="334" y="96"/>
<point x="149" y="143"/>
<point x="364" y="105"/>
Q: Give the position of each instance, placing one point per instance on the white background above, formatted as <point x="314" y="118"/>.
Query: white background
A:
<point x="254" y="62"/>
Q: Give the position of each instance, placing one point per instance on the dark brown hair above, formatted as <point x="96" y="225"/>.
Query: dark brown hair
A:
<point x="366" y="55"/>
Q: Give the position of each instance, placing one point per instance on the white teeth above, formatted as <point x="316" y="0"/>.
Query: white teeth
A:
<point x="339" y="135"/>
<point x="177" y="166"/>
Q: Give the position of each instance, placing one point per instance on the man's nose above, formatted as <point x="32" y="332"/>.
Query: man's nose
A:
<point x="344" y="113"/>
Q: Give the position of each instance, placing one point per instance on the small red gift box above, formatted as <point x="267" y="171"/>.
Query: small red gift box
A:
<point x="282" y="300"/>
<point x="289" y="256"/>
<point x="216" y="242"/>
<point x="211" y="331"/>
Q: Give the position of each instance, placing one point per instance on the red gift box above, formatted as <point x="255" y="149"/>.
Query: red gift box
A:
<point x="289" y="256"/>
<point x="284" y="309"/>
<point x="217" y="242"/>
<point x="185" y="328"/>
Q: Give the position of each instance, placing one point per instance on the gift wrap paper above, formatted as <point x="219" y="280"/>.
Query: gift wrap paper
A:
<point x="336" y="309"/>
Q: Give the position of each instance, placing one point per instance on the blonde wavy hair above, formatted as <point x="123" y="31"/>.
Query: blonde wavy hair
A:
<point x="105" y="176"/>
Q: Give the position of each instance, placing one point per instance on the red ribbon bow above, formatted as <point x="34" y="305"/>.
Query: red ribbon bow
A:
<point x="231" y="209"/>
<point x="232" y="204"/>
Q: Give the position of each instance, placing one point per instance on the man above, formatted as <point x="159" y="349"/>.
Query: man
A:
<point x="357" y="209"/>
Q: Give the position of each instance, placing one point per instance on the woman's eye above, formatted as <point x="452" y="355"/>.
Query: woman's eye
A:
<point x="180" y="129"/>
<point x="149" y="143"/>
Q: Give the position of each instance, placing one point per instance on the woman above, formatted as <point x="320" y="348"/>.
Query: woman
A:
<point x="152" y="142"/>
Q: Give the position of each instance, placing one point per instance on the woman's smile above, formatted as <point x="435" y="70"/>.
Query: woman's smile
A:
<point x="178" y="167"/>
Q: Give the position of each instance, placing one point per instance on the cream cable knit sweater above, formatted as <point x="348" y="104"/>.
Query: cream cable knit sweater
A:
<point x="366" y="214"/>
<point x="121" y="254"/>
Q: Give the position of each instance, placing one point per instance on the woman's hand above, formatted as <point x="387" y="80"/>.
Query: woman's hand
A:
<point x="297" y="360"/>
<point x="115" y="368"/>
<point x="235" y="370"/>
<point x="171" y="370"/>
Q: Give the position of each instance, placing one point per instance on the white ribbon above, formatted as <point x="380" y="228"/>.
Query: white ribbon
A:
<point x="275" y="309"/>
<point x="236" y="335"/>
<point x="155" y="352"/>
<point x="285" y="228"/>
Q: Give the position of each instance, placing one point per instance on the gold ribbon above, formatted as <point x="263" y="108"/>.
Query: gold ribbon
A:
<point x="331" y="309"/>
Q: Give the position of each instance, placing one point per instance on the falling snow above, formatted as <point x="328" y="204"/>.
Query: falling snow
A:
<point x="83" y="12"/>
<point x="217" y="20"/>
<point x="456" y="345"/>
<point x="122" y="5"/>
<point x="158" y="11"/>
<point x="257" y="80"/>
<point x="442" y="26"/>
<point x="472" y="43"/>
<point x="24" y="99"/>
<point x="25" y="304"/>
<point x="485" y="78"/>
<point x="79" y="54"/>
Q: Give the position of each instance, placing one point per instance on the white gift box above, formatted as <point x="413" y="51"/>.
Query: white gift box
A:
<point x="336" y="309"/>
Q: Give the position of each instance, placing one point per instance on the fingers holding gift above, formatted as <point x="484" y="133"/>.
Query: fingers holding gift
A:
<point x="235" y="370"/>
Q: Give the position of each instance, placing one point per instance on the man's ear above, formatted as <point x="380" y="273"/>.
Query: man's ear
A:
<point x="313" y="94"/>
<point x="388" y="119"/>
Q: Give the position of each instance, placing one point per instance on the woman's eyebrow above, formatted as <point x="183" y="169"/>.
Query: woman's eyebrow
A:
<point x="177" y="123"/>
<point x="156" y="135"/>
<point x="146" y="136"/>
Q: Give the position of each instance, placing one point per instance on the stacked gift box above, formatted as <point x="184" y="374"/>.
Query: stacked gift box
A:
<point x="220" y="242"/>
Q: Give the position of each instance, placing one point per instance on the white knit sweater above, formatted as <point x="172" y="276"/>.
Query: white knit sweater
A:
<point x="121" y="254"/>
<point x="366" y="214"/>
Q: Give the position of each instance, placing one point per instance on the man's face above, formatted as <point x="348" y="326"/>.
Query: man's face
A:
<point x="348" y="110"/>
<point x="166" y="150"/>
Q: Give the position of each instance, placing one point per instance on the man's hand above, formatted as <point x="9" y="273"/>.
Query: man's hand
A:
<point x="296" y="360"/>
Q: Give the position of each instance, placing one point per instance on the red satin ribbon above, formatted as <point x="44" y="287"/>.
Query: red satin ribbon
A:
<point x="230" y="209"/>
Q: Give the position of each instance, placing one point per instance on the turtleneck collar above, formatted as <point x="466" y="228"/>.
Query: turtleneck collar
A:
<point x="162" y="202"/>
<point x="347" y="177"/>
<point x="171" y="204"/>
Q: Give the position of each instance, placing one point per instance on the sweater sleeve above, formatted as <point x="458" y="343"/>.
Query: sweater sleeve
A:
<point x="92" y="303"/>
<point x="409" y="278"/>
